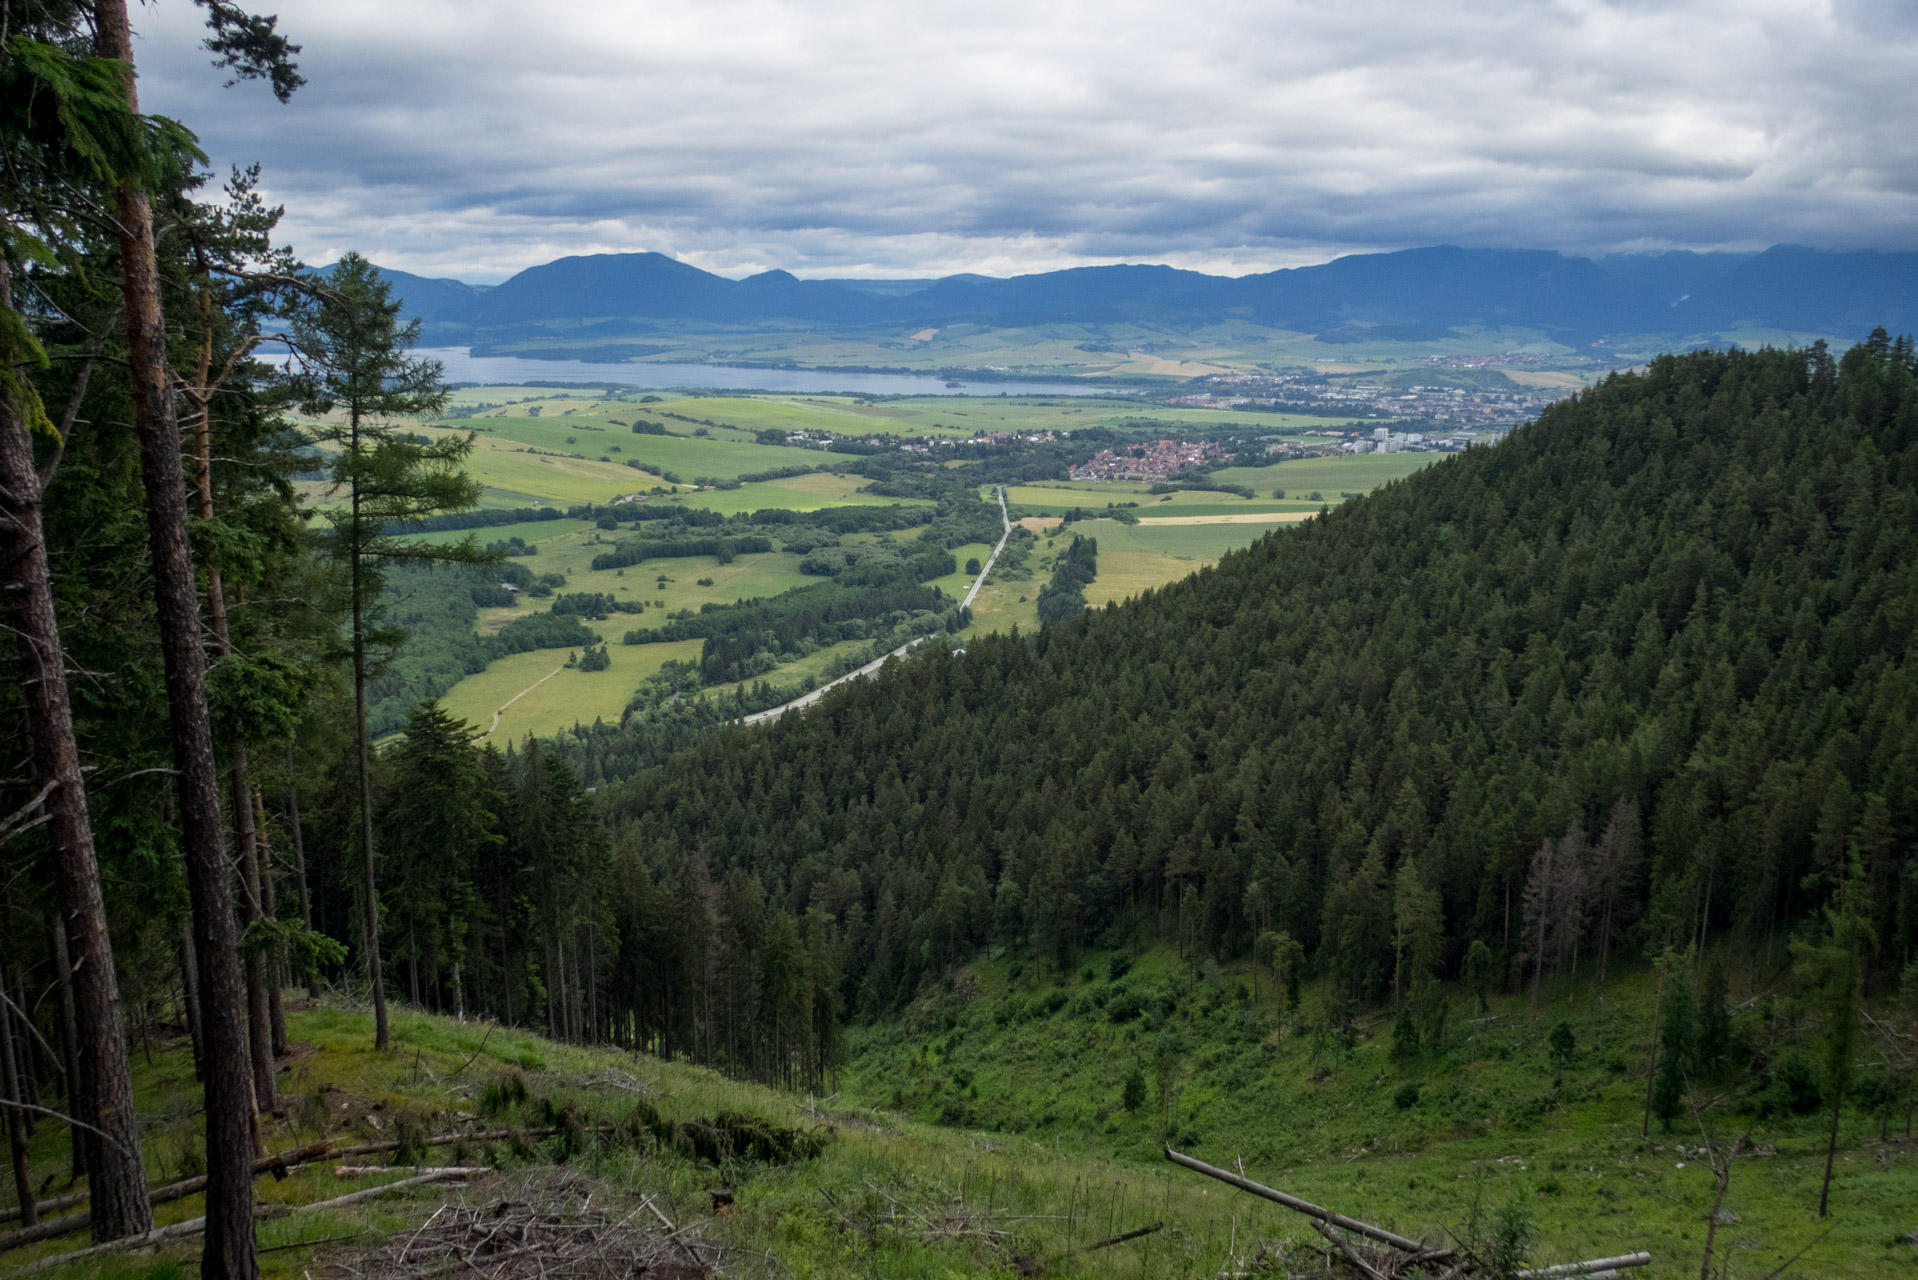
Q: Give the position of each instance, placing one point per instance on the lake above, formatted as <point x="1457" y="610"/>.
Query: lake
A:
<point x="517" y="371"/>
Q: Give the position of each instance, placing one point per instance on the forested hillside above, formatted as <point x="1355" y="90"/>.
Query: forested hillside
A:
<point x="1639" y="673"/>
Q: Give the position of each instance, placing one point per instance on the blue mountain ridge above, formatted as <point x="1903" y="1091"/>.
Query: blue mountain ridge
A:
<point x="1413" y="294"/>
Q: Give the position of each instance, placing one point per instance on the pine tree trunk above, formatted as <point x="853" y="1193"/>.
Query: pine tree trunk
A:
<point x="190" y="995"/>
<point x="297" y="835"/>
<point x="1651" y="1072"/>
<point x="259" y="1017"/>
<point x="16" y="1123"/>
<point x="246" y="839"/>
<point x="69" y="1041"/>
<point x="370" y="924"/>
<point x="275" y="956"/>
<point x="104" y="1086"/>
<point x="229" y="1249"/>
<point x="1831" y="1153"/>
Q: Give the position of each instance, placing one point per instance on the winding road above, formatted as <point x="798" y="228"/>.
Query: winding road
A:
<point x="806" y="700"/>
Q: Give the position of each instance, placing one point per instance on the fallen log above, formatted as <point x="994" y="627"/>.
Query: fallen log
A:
<point x="1311" y="1210"/>
<point x="49" y="1205"/>
<point x="166" y="1194"/>
<point x="1590" y="1267"/>
<point x="194" y="1226"/>
<point x="1109" y="1241"/>
<point x="368" y="1170"/>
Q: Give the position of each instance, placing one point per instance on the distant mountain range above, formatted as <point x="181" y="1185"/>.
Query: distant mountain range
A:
<point x="1413" y="295"/>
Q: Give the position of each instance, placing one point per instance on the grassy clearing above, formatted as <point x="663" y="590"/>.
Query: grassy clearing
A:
<point x="1135" y="558"/>
<point x="1036" y="1067"/>
<point x="834" y="1215"/>
<point x="1000" y="607"/>
<point x="547" y="696"/>
<point x="957" y="584"/>
<point x="1011" y="1046"/>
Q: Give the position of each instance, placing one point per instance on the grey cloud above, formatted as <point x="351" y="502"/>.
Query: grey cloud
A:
<point x="471" y="138"/>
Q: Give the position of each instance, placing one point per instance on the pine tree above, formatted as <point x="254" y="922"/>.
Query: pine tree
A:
<point x="1677" y="1039"/>
<point x="1418" y="929"/>
<point x="1714" y="1016"/>
<point x="438" y="828"/>
<point x="353" y="352"/>
<point x="1829" y="973"/>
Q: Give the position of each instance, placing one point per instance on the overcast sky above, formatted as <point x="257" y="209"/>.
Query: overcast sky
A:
<point x="473" y="138"/>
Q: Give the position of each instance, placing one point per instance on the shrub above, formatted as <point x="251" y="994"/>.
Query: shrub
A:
<point x="1407" y="1097"/>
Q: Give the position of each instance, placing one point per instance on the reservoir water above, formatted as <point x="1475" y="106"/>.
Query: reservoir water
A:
<point x="518" y="371"/>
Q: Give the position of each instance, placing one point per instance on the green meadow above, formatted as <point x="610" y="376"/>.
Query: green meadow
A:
<point x="537" y="693"/>
<point x="1360" y="473"/>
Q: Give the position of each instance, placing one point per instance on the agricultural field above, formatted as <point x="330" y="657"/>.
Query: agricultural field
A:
<point x="538" y="693"/>
<point x="946" y="416"/>
<point x="536" y="446"/>
<point x="546" y="696"/>
<point x="1122" y="353"/>
<point x="1332" y="477"/>
<point x="795" y="493"/>
<point x="1056" y="500"/>
<point x="1136" y="558"/>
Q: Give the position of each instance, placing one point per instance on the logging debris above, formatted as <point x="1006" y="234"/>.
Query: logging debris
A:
<point x="1379" y="1254"/>
<point x="194" y="1226"/>
<point x="540" y="1226"/>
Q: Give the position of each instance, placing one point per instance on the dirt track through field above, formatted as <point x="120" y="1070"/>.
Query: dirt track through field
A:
<point x="1249" y="517"/>
<point x="523" y="692"/>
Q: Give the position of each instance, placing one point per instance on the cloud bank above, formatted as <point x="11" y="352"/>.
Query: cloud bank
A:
<point x="856" y="138"/>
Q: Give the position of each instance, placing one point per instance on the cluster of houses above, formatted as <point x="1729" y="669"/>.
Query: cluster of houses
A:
<point x="1149" y="460"/>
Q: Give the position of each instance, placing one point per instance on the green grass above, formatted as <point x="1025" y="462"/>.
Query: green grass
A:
<point x="545" y="696"/>
<point x="573" y="696"/>
<point x="1138" y="352"/>
<point x="534" y="532"/>
<point x="514" y="477"/>
<point x="1057" y="499"/>
<point x="1360" y="473"/>
<point x="795" y="493"/>
<point x="1012" y="1047"/>
<point x="1050" y="1149"/>
<point x="577" y="438"/>
<point x="999" y="608"/>
<point x="957" y="584"/>
<point x="1137" y="558"/>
